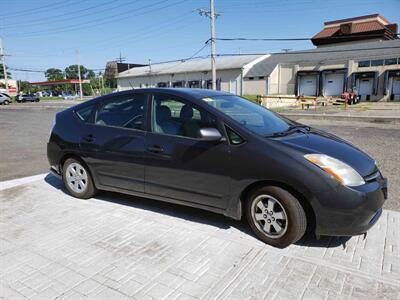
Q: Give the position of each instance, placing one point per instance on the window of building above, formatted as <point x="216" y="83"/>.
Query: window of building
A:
<point x="261" y="77"/>
<point x="390" y="61"/>
<point x="376" y="62"/>
<point x="364" y="63"/>
<point x="250" y="78"/>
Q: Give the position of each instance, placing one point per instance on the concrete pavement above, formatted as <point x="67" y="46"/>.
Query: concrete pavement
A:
<point x="54" y="246"/>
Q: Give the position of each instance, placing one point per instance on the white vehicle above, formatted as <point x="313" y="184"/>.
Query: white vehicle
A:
<point x="5" y="99"/>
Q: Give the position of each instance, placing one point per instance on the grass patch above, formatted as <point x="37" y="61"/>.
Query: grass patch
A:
<point x="252" y="98"/>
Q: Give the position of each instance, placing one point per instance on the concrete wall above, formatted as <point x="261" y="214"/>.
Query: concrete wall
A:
<point x="255" y="86"/>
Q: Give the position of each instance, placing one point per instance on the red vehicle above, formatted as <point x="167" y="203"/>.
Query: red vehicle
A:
<point x="351" y="96"/>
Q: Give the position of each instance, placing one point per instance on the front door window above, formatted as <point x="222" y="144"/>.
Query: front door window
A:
<point x="171" y="115"/>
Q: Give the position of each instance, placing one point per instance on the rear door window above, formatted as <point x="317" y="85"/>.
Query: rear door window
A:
<point x="125" y="111"/>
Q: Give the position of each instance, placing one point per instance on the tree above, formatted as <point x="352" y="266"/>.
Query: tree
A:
<point x="71" y="72"/>
<point x="26" y="88"/>
<point x="2" y="72"/>
<point x="54" y="74"/>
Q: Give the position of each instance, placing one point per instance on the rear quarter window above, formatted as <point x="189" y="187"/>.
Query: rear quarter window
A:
<point x="85" y="113"/>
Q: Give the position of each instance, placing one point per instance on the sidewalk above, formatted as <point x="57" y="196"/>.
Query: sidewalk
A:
<point x="120" y="247"/>
<point x="370" y="112"/>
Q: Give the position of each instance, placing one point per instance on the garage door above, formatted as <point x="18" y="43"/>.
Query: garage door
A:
<point x="308" y="85"/>
<point x="333" y="84"/>
<point x="365" y="86"/>
<point x="396" y="86"/>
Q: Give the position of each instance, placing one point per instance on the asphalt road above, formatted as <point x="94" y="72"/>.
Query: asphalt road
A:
<point x="24" y="131"/>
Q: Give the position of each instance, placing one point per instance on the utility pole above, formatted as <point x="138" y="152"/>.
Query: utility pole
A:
<point x="213" y="50"/>
<point x="120" y="59"/>
<point x="3" y="60"/>
<point x="79" y="75"/>
<point x="151" y="79"/>
<point x="212" y="15"/>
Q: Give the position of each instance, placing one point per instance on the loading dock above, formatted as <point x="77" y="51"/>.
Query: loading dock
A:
<point x="307" y="83"/>
<point x="392" y="84"/>
<point x="366" y="84"/>
<point x="333" y="82"/>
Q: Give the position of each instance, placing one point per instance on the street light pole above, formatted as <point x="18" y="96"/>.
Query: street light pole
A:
<point x="3" y="60"/>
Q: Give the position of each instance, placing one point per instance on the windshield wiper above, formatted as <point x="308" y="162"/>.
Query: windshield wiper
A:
<point x="292" y="129"/>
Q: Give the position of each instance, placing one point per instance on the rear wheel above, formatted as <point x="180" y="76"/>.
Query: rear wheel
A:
<point x="77" y="179"/>
<point x="276" y="216"/>
<point x="6" y="102"/>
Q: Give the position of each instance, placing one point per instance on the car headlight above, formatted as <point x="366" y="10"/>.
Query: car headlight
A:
<point x="342" y="172"/>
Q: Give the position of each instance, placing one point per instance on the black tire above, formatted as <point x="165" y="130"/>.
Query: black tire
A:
<point x="6" y="102"/>
<point x="295" y="223"/>
<point x="89" y="191"/>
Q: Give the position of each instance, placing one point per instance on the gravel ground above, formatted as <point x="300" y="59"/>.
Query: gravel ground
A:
<point x="24" y="133"/>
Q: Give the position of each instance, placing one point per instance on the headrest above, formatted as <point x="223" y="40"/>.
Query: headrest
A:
<point x="163" y="113"/>
<point x="186" y="112"/>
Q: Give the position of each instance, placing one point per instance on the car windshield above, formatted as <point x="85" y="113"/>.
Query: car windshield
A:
<point x="254" y="117"/>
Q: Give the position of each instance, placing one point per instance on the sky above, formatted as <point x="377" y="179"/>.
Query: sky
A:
<point x="38" y="35"/>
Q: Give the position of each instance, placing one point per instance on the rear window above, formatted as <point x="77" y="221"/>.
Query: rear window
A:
<point x="85" y="113"/>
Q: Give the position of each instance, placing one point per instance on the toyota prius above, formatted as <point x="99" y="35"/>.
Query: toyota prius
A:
<point x="219" y="152"/>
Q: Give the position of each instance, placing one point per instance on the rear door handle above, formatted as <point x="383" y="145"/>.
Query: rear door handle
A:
<point x="89" y="138"/>
<point x="155" y="149"/>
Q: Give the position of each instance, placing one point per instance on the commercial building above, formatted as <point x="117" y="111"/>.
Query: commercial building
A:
<point x="361" y="53"/>
<point x="372" y="68"/>
<point x="193" y="74"/>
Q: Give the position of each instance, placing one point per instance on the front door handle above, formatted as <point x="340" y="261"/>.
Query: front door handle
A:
<point x="155" y="149"/>
<point x="89" y="138"/>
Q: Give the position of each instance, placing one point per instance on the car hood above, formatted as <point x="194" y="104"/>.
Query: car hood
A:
<point x="316" y="141"/>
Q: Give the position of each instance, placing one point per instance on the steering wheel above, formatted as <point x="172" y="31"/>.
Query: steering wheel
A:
<point x="136" y="120"/>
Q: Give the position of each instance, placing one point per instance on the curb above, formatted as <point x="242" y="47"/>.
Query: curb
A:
<point x="372" y="119"/>
<point x="8" y="184"/>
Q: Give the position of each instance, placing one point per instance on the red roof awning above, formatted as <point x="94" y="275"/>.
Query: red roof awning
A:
<point x="58" y="82"/>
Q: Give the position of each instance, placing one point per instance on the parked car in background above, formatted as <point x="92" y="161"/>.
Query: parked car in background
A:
<point x="27" y="98"/>
<point x="5" y="99"/>
<point x="219" y="152"/>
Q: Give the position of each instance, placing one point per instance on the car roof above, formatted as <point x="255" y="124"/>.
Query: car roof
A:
<point x="183" y="92"/>
<point x="193" y="94"/>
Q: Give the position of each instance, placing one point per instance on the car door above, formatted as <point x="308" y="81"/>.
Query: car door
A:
<point x="179" y="165"/>
<point x="114" y="143"/>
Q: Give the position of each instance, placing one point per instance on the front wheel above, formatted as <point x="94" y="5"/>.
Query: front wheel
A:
<point x="6" y="102"/>
<point x="276" y="216"/>
<point x="77" y="179"/>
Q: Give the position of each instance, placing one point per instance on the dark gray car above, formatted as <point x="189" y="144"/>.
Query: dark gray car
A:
<point x="27" y="98"/>
<point x="222" y="153"/>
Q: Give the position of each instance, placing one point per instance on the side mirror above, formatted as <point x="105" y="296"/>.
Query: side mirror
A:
<point x="210" y="135"/>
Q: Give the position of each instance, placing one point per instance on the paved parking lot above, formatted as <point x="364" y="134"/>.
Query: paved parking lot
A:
<point x="54" y="246"/>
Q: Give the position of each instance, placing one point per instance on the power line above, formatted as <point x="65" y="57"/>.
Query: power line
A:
<point x="72" y="15"/>
<point x="115" y="17"/>
<point x="294" y="39"/>
<point x="40" y="9"/>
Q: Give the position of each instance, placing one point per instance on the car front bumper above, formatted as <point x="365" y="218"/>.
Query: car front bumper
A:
<point x="351" y="211"/>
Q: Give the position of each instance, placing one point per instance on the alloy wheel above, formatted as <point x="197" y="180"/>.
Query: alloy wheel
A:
<point x="76" y="177"/>
<point x="269" y="216"/>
